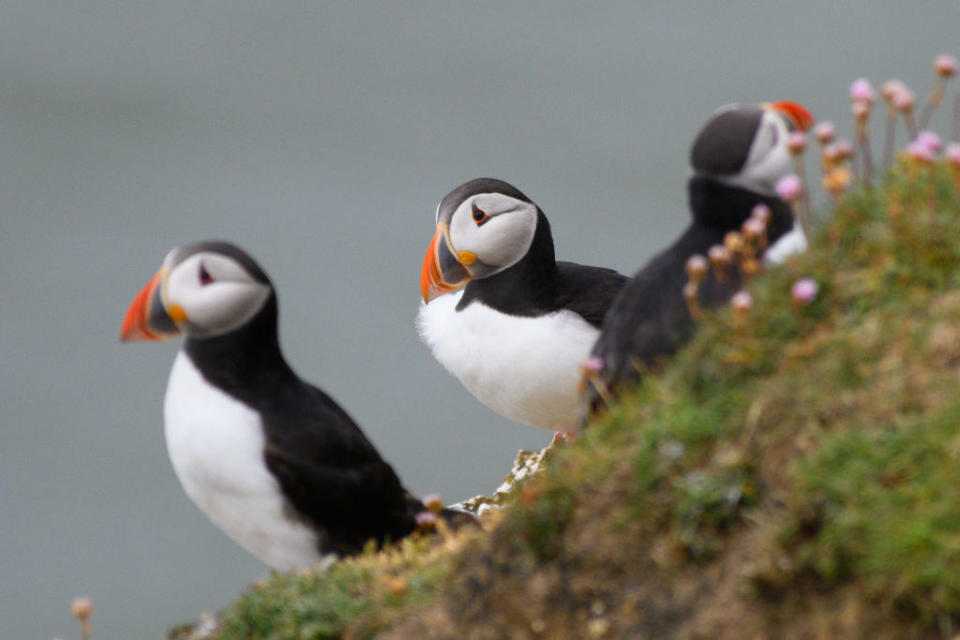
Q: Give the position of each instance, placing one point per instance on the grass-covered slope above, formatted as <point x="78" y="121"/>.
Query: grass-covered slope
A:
<point x="794" y="473"/>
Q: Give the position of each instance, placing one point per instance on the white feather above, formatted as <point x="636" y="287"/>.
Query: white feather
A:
<point x="790" y="243"/>
<point x="527" y="369"/>
<point x="216" y="447"/>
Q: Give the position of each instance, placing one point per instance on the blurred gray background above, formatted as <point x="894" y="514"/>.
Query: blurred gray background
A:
<point x="320" y="137"/>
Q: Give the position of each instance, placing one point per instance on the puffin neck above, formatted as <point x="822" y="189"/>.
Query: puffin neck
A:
<point x="532" y="280"/>
<point x="726" y="207"/>
<point x="243" y="360"/>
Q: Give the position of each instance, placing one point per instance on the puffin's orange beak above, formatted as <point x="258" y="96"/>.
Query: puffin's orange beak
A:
<point x="798" y="114"/>
<point x="442" y="271"/>
<point x="146" y="319"/>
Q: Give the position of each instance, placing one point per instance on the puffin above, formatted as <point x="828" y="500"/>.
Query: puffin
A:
<point x="737" y="158"/>
<point x="269" y="458"/>
<point x="501" y="314"/>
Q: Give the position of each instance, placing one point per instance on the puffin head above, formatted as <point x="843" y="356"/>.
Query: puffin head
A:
<point x="746" y="145"/>
<point x="203" y="289"/>
<point x="483" y="227"/>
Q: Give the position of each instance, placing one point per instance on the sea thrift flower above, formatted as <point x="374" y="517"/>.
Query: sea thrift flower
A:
<point x="741" y="303"/>
<point x="426" y="520"/>
<point x="789" y="188"/>
<point x="825" y="132"/>
<point x="81" y="608"/>
<point x="844" y="149"/>
<point x="862" y="91"/>
<point x="697" y="268"/>
<point x="733" y="241"/>
<point x="432" y="502"/>
<point x="930" y="140"/>
<point x="720" y="259"/>
<point x="953" y="153"/>
<point x="762" y="213"/>
<point x="804" y="291"/>
<point x="796" y="142"/>
<point x="945" y="65"/>
<point x="860" y="110"/>
<point x="755" y="232"/>
<point x="891" y="88"/>
<point x="593" y="364"/>
<point x="836" y="180"/>
<point x="903" y="99"/>
<point x="920" y="152"/>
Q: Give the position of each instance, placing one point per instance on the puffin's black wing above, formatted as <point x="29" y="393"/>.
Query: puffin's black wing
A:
<point x="333" y="476"/>
<point x="588" y="291"/>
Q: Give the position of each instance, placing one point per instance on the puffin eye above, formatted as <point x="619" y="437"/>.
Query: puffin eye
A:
<point x="479" y="215"/>
<point x="203" y="276"/>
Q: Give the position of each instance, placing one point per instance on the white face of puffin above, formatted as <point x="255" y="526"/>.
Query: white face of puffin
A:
<point x="768" y="159"/>
<point x="212" y="294"/>
<point x="199" y="290"/>
<point x="484" y="226"/>
<point x="490" y="232"/>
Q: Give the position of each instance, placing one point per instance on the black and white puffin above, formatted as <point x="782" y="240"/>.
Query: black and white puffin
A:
<point x="737" y="159"/>
<point x="271" y="459"/>
<point x="517" y="333"/>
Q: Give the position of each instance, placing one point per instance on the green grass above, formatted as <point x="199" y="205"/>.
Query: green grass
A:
<point x="796" y="474"/>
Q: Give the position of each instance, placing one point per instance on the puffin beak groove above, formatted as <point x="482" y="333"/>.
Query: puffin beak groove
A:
<point x="443" y="270"/>
<point x="799" y="115"/>
<point x="146" y="318"/>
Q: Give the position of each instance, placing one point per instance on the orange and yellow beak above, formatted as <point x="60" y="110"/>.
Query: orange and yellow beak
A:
<point x="801" y="118"/>
<point x="147" y="318"/>
<point x="443" y="269"/>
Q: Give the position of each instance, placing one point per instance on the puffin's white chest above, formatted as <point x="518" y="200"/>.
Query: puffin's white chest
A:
<point x="216" y="447"/>
<point x="790" y="243"/>
<point x="527" y="369"/>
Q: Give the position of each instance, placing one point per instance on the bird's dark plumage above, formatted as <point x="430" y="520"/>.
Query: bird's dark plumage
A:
<point x="332" y="476"/>
<point x="649" y="319"/>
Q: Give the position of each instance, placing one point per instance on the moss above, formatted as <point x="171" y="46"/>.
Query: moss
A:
<point x="795" y="475"/>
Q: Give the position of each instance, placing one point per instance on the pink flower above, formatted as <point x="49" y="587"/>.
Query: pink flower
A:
<point x="804" y="291"/>
<point x="945" y="65"/>
<point x="931" y="140"/>
<point x="796" y="142"/>
<point x="825" y="132"/>
<point x="844" y="149"/>
<point x="862" y="91"/>
<point x="789" y="188"/>
<point x="761" y="212"/>
<point x="891" y="88"/>
<point x="953" y="153"/>
<point x="432" y="502"/>
<point x="860" y="110"/>
<point x="593" y="364"/>
<point x="754" y="229"/>
<point x="741" y="301"/>
<point x="425" y="519"/>
<point x="903" y="99"/>
<point x="920" y="152"/>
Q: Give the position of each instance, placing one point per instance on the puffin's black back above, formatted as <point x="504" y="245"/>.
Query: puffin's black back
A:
<point x="330" y="473"/>
<point x="649" y="318"/>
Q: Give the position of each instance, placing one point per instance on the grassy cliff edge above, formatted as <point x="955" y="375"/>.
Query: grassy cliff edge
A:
<point x="792" y="473"/>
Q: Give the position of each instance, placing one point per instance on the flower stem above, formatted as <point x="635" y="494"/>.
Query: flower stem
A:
<point x="933" y="100"/>
<point x="889" y="138"/>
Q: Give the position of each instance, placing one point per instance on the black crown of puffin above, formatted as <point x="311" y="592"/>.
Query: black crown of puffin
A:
<point x="724" y="143"/>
